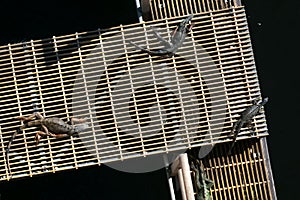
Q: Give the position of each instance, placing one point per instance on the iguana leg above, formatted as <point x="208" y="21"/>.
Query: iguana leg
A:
<point x="166" y="43"/>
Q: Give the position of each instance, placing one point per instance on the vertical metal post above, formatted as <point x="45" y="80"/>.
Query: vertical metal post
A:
<point x="170" y="181"/>
<point x="139" y="10"/>
<point x="181" y="168"/>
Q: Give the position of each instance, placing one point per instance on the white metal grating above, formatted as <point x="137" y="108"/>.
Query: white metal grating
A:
<point x="243" y="175"/>
<point x="248" y="177"/>
<point x="161" y="9"/>
<point x="136" y="105"/>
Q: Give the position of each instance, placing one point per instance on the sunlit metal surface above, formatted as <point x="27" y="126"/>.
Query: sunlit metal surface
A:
<point x="247" y="173"/>
<point x="136" y="105"/>
<point x="243" y="175"/>
<point x="160" y="9"/>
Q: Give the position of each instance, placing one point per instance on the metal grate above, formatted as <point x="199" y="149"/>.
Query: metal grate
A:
<point x="246" y="174"/>
<point x="136" y="105"/>
<point x="160" y="9"/>
<point x="243" y="175"/>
